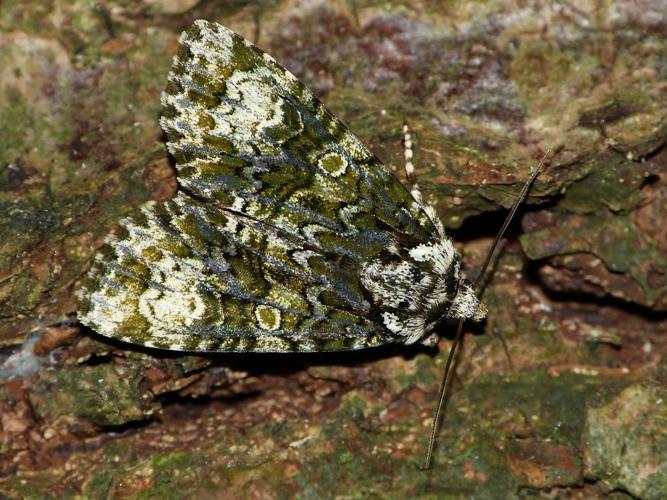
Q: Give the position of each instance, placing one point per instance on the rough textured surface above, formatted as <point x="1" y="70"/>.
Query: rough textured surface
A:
<point x="625" y="441"/>
<point x="580" y="293"/>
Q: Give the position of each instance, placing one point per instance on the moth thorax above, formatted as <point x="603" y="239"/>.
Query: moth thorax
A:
<point x="413" y="289"/>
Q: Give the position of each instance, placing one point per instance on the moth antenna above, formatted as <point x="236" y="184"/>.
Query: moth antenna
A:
<point x="415" y="191"/>
<point x="443" y="394"/>
<point x="508" y="219"/>
<point x="480" y="292"/>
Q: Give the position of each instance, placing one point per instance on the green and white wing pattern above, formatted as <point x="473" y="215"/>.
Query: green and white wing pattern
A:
<point x="187" y="275"/>
<point x="246" y="133"/>
<point x="286" y="233"/>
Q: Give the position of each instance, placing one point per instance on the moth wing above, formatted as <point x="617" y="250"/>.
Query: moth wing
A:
<point x="279" y="207"/>
<point x="245" y="132"/>
<point x="184" y="275"/>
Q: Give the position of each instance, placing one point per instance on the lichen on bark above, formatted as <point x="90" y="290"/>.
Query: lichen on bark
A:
<point x="580" y="292"/>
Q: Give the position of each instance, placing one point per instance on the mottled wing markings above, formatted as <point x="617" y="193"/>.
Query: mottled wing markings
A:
<point x="246" y="132"/>
<point x="175" y="276"/>
<point x="286" y="233"/>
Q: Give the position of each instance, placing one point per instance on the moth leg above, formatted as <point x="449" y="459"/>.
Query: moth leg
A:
<point x="414" y="185"/>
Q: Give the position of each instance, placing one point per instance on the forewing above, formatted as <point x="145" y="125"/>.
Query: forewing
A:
<point x="185" y="275"/>
<point x="245" y="132"/>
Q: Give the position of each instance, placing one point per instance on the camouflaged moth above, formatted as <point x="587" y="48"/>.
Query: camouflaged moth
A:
<point x="286" y="234"/>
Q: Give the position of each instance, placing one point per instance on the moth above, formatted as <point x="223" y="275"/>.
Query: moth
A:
<point x="286" y="233"/>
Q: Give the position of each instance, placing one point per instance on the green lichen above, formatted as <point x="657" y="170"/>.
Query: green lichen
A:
<point x="105" y="395"/>
<point x="612" y="183"/>
<point x="615" y="239"/>
<point x="625" y="443"/>
<point x="580" y="89"/>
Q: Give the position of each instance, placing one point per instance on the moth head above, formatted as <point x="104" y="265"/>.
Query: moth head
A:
<point x="453" y="297"/>
<point x="466" y="304"/>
